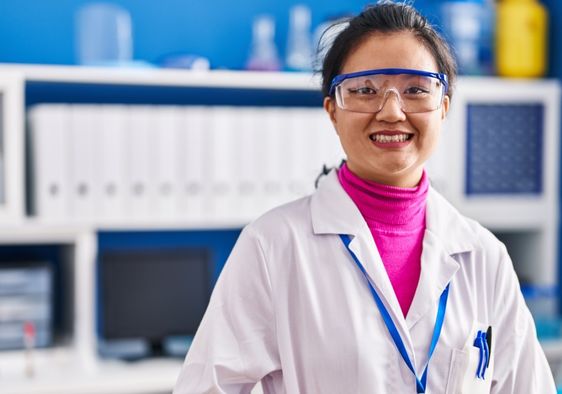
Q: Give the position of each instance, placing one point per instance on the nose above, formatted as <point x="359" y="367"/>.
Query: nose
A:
<point x="391" y="108"/>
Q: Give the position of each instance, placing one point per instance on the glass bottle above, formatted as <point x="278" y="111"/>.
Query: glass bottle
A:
<point x="263" y="54"/>
<point x="299" y="40"/>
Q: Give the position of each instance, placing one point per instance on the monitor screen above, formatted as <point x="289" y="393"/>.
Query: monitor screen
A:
<point x="153" y="294"/>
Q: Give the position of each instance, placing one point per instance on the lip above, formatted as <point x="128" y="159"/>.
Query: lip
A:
<point x="392" y="145"/>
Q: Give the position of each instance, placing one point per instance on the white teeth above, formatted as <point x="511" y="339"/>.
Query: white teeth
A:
<point x="389" y="138"/>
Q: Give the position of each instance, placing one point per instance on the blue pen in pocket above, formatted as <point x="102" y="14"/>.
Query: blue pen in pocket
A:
<point x="484" y="354"/>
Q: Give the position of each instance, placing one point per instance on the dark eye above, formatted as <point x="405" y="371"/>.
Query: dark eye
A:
<point x="414" y="90"/>
<point x="364" y="91"/>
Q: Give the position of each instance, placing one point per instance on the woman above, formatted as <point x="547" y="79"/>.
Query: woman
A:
<point x="374" y="284"/>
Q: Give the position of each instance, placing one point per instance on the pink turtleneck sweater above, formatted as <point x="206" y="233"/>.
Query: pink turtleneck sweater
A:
<point x="396" y="218"/>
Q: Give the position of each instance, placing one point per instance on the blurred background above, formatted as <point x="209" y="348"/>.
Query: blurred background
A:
<point x="137" y="138"/>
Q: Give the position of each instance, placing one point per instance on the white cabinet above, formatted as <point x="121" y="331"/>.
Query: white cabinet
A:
<point x="526" y="218"/>
<point x="498" y="162"/>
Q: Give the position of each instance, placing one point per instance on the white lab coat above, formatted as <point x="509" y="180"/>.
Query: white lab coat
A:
<point x="292" y="309"/>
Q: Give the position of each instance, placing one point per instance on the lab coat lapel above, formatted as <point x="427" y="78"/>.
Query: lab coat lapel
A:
<point x="437" y="269"/>
<point x="364" y="248"/>
<point x="447" y="234"/>
<point x="334" y="212"/>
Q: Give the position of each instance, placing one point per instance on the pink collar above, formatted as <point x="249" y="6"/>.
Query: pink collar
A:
<point x="386" y="206"/>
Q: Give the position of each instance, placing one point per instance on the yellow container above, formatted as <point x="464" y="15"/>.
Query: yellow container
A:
<point x="521" y="35"/>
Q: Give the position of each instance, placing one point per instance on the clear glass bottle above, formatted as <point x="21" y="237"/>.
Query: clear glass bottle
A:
<point x="263" y="54"/>
<point x="299" y="39"/>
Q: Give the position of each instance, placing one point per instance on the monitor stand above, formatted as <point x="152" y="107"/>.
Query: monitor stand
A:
<point x="156" y="348"/>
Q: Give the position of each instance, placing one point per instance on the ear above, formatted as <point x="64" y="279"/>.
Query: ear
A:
<point x="445" y="106"/>
<point x="330" y="108"/>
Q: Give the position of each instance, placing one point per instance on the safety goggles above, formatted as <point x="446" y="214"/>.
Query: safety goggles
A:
<point x="367" y="91"/>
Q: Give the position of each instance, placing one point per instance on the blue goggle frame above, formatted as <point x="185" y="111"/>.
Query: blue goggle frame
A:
<point x="389" y="71"/>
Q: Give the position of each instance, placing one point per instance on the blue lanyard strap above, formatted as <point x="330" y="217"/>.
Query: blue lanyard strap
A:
<point x="420" y="383"/>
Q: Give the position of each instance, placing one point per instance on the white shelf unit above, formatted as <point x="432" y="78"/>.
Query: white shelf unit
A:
<point x="526" y="220"/>
<point x="73" y="365"/>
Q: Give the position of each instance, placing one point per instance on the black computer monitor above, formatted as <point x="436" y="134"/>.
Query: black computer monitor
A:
<point x="152" y="294"/>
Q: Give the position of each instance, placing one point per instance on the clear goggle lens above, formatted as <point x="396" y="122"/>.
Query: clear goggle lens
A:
<point x="416" y="93"/>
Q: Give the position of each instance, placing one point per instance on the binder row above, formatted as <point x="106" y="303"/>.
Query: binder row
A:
<point x="115" y="163"/>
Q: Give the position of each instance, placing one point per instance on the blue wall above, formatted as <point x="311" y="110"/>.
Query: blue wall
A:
<point x="42" y="31"/>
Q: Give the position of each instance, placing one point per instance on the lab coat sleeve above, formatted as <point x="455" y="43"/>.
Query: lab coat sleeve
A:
<point x="520" y="365"/>
<point x="235" y="344"/>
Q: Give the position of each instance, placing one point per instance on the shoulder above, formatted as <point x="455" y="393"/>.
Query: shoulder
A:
<point x="282" y="221"/>
<point x="294" y="214"/>
<point x="267" y="240"/>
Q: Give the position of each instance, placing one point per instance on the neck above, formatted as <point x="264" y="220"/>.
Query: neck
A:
<point x="409" y="180"/>
<point x="386" y="204"/>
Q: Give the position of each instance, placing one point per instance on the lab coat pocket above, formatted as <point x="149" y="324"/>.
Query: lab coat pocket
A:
<point x="465" y="365"/>
<point x="463" y="377"/>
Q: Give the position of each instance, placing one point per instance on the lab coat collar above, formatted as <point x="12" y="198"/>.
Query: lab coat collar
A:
<point x="447" y="225"/>
<point x="334" y="212"/>
<point x="447" y="234"/>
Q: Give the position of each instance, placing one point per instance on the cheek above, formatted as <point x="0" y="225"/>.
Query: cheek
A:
<point x="429" y="127"/>
<point x="350" y="124"/>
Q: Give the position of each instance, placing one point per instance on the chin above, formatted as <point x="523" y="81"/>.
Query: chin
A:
<point x="399" y="168"/>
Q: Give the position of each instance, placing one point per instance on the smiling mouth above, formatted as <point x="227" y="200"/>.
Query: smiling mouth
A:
<point x="386" y="138"/>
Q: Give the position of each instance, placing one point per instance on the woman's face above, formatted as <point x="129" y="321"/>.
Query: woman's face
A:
<point x="397" y="164"/>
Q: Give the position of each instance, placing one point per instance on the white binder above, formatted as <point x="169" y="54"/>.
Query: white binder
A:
<point x="194" y="162"/>
<point x="316" y="139"/>
<point x="304" y="147"/>
<point x="223" y="133"/>
<point x="81" y="137"/>
<point x="49" y="165"/>
<point x="246" y="163"/>
<point x="164" y="158"/>
<point x="110" y="177"/>
<point x="274" y="154"/>
<point x="139" y="170"/>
